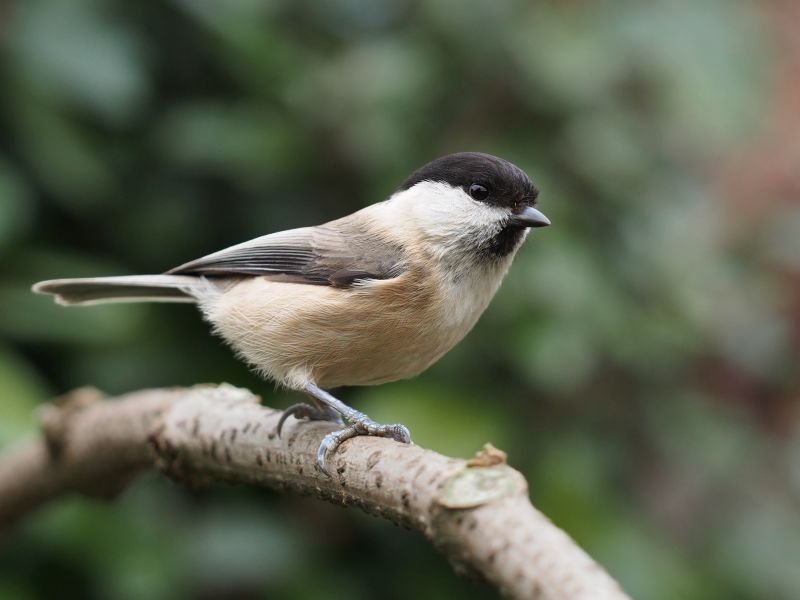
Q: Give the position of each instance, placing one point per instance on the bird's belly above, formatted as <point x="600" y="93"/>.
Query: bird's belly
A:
<point x="295" y="333"/>
<point x="395" y="353"/>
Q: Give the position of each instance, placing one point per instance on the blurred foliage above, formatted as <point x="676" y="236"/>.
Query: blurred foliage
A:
<point x="639" y="364"/>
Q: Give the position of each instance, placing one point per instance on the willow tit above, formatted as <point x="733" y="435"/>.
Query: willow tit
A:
<point x="373" y="297"/>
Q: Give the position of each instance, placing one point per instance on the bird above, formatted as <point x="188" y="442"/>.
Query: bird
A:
<point x="373" y="297"/>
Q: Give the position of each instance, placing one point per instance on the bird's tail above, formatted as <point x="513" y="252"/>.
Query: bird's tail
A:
<point x="130" y="288"/>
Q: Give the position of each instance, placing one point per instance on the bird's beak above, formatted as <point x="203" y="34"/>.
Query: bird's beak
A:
<point x="529" y="217"/>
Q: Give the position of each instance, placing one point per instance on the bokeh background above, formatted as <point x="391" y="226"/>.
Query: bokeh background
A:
<point x="639" y="364"/>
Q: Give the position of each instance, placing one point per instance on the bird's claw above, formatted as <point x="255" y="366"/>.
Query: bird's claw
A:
<point x="361" y="425"/>
<point x="396" y="431"/>
<point x="303" y="410"/>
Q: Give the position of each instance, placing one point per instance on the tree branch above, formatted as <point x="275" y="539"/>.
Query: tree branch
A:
<point x="476" y="512"/>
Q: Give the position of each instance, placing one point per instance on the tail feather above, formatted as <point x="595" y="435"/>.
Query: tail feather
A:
<point x="130" y="288"/>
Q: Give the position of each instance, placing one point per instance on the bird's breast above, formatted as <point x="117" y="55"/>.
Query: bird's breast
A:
<point x="372" y="333"/>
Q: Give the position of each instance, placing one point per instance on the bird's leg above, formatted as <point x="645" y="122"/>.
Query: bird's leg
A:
<point x="359" y="424"/>
<point x="303" y="410"/>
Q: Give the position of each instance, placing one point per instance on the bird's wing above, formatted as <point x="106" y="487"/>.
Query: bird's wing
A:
<point x="338" y="254"/>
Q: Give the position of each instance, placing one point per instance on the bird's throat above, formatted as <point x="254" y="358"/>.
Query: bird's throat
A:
<point x="505" y="242"/>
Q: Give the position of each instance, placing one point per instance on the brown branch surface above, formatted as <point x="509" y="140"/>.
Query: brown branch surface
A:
<point x="476" y="512"/>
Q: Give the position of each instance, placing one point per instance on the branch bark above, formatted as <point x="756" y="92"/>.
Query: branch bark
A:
<point x="476" y="512"/>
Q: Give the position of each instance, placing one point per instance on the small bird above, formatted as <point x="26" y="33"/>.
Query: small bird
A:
<point x="373" y="297"/>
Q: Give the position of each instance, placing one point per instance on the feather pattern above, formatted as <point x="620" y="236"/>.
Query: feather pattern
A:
<point x="337" y="254"/>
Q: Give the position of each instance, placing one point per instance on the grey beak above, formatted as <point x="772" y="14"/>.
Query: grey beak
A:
<point x="529" y="217"/>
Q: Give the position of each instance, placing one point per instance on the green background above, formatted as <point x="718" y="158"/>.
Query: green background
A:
<point x="639" y="364"/>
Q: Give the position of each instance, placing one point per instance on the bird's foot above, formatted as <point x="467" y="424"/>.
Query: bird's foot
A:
<point x="360" y="424"/>
<point x="312" y="413"/>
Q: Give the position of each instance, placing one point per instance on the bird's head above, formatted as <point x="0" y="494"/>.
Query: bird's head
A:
<point x="471" y="203"/>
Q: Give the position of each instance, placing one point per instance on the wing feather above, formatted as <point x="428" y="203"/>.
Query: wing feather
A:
<point x="338" y="254"/>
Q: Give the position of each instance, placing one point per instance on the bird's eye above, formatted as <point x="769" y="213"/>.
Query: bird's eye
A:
<point x="478" y="191"/>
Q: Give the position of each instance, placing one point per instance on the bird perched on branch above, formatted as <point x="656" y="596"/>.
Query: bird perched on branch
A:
<point x="375" y="296"/>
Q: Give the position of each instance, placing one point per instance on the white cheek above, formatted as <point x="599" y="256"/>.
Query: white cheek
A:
<point x="448" y="216"/>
